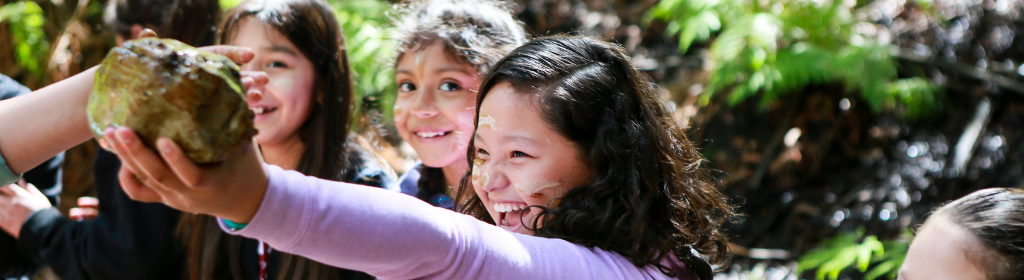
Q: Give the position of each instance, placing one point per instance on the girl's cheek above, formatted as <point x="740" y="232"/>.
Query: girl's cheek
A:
<point x="397" y="110"/>
<point x="283" y="83"/>
<point x="465" y="117"/>
<point x="538" y="188"/>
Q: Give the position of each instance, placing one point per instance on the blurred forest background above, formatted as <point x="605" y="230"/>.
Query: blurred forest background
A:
<point x="835" y="125"/>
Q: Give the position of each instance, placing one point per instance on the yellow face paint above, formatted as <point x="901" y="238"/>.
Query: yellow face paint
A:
<point x="486" y="178"/>
<point x="488" y="121"/>
<point x="476" y="169"/>
<point x="534" y="186"/>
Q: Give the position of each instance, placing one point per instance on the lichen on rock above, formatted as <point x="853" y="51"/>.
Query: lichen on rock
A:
<point x="165" y="88"/>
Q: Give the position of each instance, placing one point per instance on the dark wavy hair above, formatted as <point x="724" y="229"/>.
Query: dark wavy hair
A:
<point x="996" y="217"/>
<point x="312" y="27"/>
<point x="652" y="198"/>
<point x="478" y="32"/>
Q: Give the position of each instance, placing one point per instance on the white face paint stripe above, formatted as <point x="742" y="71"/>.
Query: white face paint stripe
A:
<point x="534" y="186"/>
<point x="488" y="121"/>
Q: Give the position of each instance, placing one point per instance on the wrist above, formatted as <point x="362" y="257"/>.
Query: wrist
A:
<point x="250" y="199"/>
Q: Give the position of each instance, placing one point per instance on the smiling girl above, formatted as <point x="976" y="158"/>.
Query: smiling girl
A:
<point x="574" y="153"/>
<point x="302" y="116"/>
<point x="444" y="48"/>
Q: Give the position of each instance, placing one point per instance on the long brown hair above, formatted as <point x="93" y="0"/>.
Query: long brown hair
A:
<point x="310" y="25"/>
<point x="652" y="198"/>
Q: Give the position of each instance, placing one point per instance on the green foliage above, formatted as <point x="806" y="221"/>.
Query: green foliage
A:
<point x="30" y="45"/>
<point x="228" y="4"/>
<point x="365" y="25"/>
<point x="774" y="47"/>
<point x="841" y="252"/>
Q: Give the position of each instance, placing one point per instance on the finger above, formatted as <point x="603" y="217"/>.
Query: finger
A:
<point x="122" y="154"/>
<point x="7" y="190"/>
<point x="236" y="54"/>
<point x="255" y="83"/>
<point x="141" y="159"/>
<point x="183" y="167"/>
<point x="19" y="191"/>
<point x="83" y="213"/>
<point x="22" y="182"/>
<point x="134" y="188"/>
<point x="33" y="190"/>
<point x="147" y="33"/>
<point x="87" y="201"/>
<point x="259" y="154"/>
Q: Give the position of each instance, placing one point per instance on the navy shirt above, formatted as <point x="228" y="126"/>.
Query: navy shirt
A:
<point x="410" y="181"/>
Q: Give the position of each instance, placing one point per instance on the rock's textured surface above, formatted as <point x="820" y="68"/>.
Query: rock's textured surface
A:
<point x="165" y="88"/>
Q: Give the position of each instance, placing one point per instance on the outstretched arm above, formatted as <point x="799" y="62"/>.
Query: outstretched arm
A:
<point x="58" y="117"/>
<point x="57" y="123"/>
<point x="386" y="234"/>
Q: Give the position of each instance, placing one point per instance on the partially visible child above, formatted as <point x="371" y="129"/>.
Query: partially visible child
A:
<point x="444" y="49"/>
<point x="977" y="237"/>
<point x="303" y="118"/>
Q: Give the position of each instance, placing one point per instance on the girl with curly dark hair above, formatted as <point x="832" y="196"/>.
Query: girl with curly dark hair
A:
<point x="575" y="159"/>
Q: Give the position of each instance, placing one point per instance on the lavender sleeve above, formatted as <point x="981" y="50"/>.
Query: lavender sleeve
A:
<point x="395" y="236"/>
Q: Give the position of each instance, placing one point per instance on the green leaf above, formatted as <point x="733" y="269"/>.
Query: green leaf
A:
<point x="30" y="46"/>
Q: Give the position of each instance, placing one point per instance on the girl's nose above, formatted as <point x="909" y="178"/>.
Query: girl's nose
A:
<point x="492" y="179"/>
<point x="424" y="106"/>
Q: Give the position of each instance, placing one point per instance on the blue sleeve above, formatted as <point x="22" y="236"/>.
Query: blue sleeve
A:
<point x="409" y="181"/>
<point x="6" y="175"/>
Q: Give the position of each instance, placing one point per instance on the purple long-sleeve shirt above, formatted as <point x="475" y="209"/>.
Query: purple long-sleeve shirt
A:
<point x="396" y="236"/>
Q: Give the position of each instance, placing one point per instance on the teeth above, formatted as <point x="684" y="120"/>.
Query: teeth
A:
<point x="509" y="207"/>
<point x="429" y="134"/>
<point x="257" y="110"/>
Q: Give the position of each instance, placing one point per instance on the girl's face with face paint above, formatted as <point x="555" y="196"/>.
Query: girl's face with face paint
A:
<point x="521" y="160"/>
<point x="285" y="103"/>
<point x="435" y="104"/>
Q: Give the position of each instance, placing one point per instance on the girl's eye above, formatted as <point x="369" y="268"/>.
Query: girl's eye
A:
<point x="406" y="87"/>
<point x="519" y="154"/>
<point x="276" y="64"/>
<point x="448" y="86"/>
<point x="481" y="152"/>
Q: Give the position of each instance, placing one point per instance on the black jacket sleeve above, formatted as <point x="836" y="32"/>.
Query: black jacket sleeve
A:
<point x="127" y="240"/>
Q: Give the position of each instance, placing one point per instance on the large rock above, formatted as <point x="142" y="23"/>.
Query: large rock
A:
<point x="164" y="88"/>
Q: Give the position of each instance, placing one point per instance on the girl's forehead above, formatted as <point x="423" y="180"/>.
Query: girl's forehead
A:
<point x="434" y="58"/>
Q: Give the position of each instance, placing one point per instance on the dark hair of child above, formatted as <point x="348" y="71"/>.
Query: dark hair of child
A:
<point x="996" y="217"/>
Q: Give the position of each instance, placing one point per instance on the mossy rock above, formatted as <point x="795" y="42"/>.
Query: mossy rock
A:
<point x="165" y="88"/>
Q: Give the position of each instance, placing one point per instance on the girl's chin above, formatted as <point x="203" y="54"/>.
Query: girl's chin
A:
<point x="441" y="160"/>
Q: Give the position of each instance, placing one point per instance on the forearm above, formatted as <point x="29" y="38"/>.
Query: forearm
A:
<point x="396" y="236"/>
<point x="37" y="126"/>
